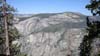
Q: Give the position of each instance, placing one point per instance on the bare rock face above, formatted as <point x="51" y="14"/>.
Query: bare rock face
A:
<point x="57" y="34"/>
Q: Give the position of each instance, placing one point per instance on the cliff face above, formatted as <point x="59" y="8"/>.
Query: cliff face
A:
<point x="51" y="34"/>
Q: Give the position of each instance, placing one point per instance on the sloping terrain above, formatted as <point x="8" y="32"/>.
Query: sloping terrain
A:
<point x="51" y="34"/>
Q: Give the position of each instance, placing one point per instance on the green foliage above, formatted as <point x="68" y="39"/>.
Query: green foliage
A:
<point x="94" y="6"/>
<point x="12" y="31"/>
<point x="16" y="49"/>
<point x="93" y="29"/>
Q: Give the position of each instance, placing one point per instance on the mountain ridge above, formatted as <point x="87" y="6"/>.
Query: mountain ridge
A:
<point x="57" y="34"/>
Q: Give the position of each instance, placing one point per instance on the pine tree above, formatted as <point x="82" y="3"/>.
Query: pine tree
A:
<point x="93" y="29"/>
<point x="8" y="32"/>
<point x="94" y="7"/>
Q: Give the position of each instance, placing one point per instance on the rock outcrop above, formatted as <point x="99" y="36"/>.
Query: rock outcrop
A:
<point x="51" y="34"/>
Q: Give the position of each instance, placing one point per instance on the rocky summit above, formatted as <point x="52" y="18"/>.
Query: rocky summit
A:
<point x="51" y="34"/>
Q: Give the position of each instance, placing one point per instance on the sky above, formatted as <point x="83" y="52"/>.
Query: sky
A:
<point x="49" y="6"/>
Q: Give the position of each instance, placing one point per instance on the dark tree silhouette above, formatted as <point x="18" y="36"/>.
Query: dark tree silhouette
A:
<point x="93" y="29"/>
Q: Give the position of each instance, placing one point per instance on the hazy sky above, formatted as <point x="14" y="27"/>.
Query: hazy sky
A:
<point x="49" y="6"/>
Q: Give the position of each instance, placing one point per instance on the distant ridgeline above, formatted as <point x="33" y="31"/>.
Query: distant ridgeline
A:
<point x="57" y="34"/>
<point x="51" y="34"/>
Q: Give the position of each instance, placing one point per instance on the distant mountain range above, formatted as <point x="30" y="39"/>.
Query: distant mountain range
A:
<point x="51" y="34"/>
